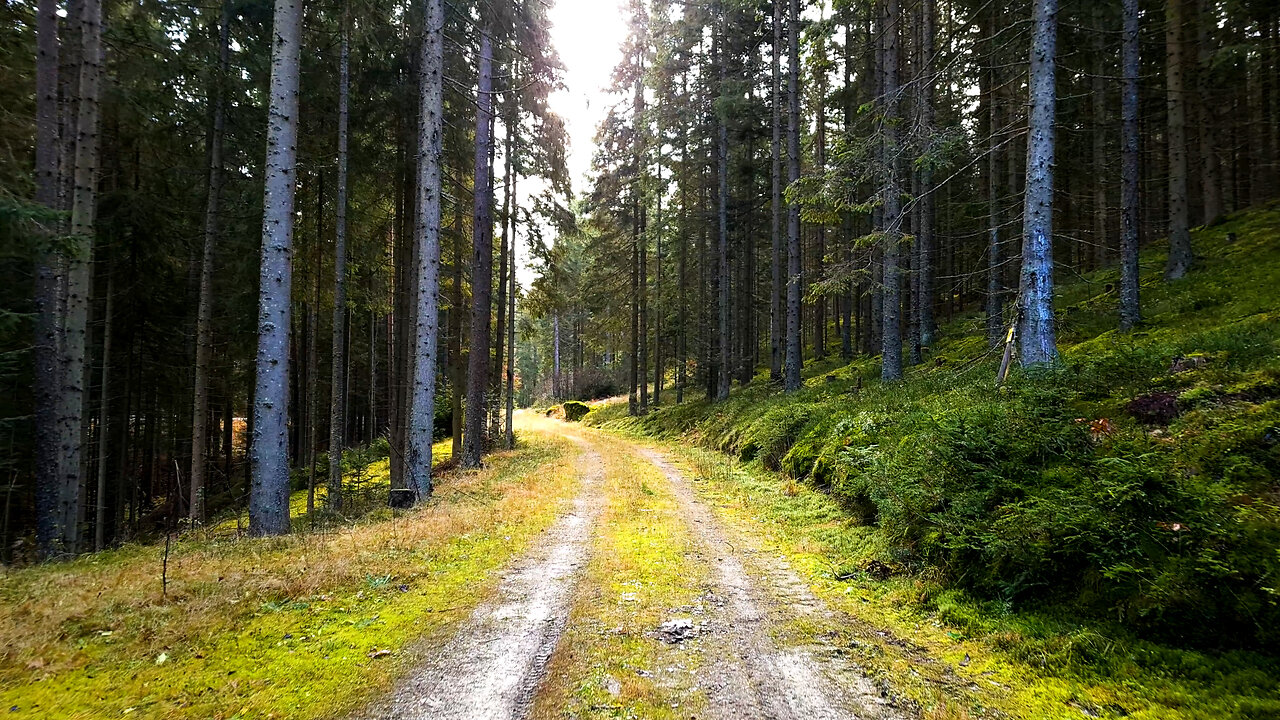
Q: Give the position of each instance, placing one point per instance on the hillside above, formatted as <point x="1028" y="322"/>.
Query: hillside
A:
<point x="1130" y="491"/>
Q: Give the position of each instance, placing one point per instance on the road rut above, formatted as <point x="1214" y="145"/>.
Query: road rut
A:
<point x="491" y="667"/>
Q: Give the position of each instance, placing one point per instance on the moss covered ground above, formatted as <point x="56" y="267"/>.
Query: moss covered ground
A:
<point x="1102" y="537"/>
<point x="303" y="626"/>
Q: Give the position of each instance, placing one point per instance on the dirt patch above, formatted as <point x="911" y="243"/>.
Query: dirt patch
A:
<point x="491" y="667"/>
<point x="748" y="674"/>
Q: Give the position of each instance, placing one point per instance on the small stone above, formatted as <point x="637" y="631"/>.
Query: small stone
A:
<point x="677" y="630"/>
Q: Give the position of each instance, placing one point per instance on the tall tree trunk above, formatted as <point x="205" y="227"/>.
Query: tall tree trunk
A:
<point x="682" y="340"/>
<point x="473" y="439"/>
<point x="925" y="240"/>
<point x="338" y="383"/>
<point x="634" y="407"/>
<point x="455" y="333"/>
<point x="891" y="332"/>
<point x="75" y="329"/>
<point x="510" y="439"/>
<point x="995" y="261"/>
<point x="557" y="391"/>
<point x="500" y="331"/>
<point x="204" y="310"/>
<point x="1180" y="257"/>
<point x="430" y="134"/>
<point x="313" y="352"/>
<point x="48" y="277"/>
<point x="1098" y="101"/>
<point x="644" y="308"/>
<point x="793" y="358"/>
<point x="104" y="418"/>
<point x="657" y="284"/>
<point x="640" y="129"/>
<point x="1035" y="294"/>
<point x="820" y="160"/>
<point x="777" y="321"/>
<point x="722" y="236"/>
<point x="269" y="493"/>
<point x="847" y="296"/>
<point x="1130" y="67"/>
<point x="1210" y="166"/>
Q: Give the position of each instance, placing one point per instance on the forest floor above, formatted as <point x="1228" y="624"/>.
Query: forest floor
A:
<point x="586" y="575"/>
<point x="638" y="602"/>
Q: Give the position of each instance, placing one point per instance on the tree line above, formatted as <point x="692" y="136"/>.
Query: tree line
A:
<point x="192" y="324"/>
<point x="789" y="181"/>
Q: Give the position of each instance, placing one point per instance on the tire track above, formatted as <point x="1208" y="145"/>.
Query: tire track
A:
<point x="492" y="666"/>
<point x="749" y="675"/>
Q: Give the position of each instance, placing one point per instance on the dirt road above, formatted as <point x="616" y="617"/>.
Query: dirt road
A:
<point x="738" y="667"/>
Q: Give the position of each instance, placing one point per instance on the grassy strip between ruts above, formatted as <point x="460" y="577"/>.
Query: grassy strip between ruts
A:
<point x="305" y="626"/>
<point x="941" y="646"/>
<point x="643" y="572"/>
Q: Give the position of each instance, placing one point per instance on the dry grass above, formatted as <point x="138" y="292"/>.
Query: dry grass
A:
<point x="97" y="638"/>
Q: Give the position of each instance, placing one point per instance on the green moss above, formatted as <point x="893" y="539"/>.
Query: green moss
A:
<point x="575" y="410"/>
<point x="270" y="652"/>
<point x="947" y="647"/>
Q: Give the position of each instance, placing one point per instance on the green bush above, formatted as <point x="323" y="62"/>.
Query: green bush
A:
<point x="575" y="411"/>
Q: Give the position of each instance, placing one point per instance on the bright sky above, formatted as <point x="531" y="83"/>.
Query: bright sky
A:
<point x="588" y="35"/>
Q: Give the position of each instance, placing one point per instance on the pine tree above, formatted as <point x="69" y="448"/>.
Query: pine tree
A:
<point x="1037" y="344"/>
<point x="269" y="492"/>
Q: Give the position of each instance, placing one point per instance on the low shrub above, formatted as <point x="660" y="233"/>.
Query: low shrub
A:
<point x="575" y="411"/>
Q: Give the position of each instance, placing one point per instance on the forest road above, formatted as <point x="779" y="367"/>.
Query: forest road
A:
<point x="749" y="674"/>
<point x="493" y="666"/>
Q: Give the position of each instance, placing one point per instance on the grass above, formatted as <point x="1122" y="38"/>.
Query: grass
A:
<point x="643" y="572"/>
<point x="1088" y="557"/>
<point x="1019" y="664"/>
<point x="303" y="626"/>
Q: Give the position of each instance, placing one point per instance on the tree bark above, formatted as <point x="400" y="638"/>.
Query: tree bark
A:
<point x="1210" y="166"/>
<point x="793" y="359"/>
<point x="634" y="406"/>
<point x="473" y="439"/>
<point x="338" y="384"/>
<point x="926" y="238"/>
<point x="311" y="386"/>
<point x="47" y="374"/>
<point x="1130" y="67"/>
<point x="820" y="161"/>
<point x="1037" y="343"/>
<point x="995" y="261"/>
<point x="500" y="331"/>
<point x="510" y="439"/>
<point x="104" y="418"/>
<point x="84" y="198"/>
<point x="722" y="237"/>
<point x="269" y="492"/>
<point x="682" y="341"/>
<point x="891" y="332"/>
<point x="204" y="310"/>
<point x="777" y="321"/>
<point x="1180" y="257"/>
<point x="455" y="333"/>
<point x="426" y="337"/>
<point x="1098" y="101"/>
<point x="657" y="282"/>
